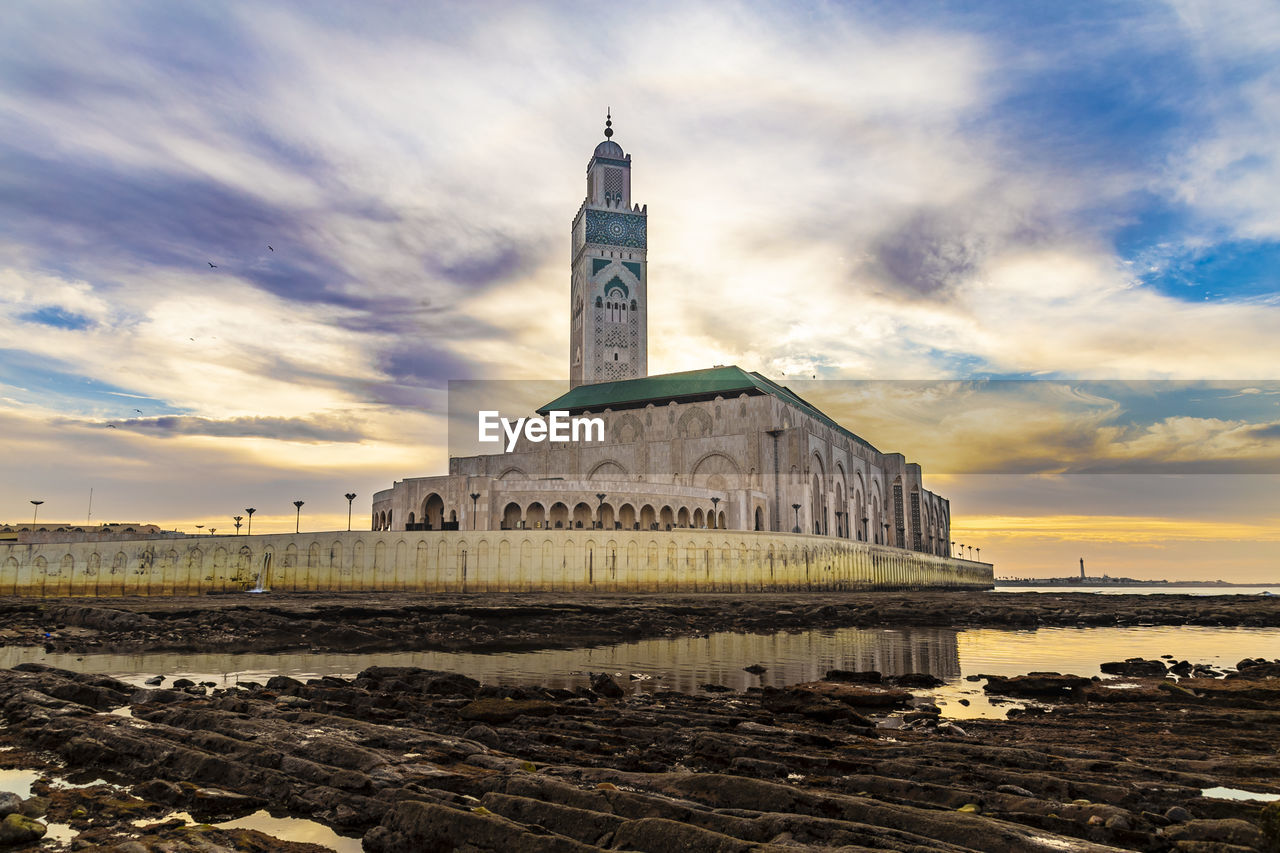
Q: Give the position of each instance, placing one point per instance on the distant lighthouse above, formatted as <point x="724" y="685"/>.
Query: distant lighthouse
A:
<point x="1082" y="568"/>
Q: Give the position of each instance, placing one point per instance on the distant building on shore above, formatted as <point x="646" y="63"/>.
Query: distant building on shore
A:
<point x="112" y="532"/>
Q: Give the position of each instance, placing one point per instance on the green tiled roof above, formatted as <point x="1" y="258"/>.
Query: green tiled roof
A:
<point x="688" y="386"/>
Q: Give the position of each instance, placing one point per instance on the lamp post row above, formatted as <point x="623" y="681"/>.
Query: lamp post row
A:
<point x="238" y="519"/>
<point x="351" y="496"/>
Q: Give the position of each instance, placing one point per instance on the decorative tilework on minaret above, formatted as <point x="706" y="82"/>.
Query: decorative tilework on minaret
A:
<point x="608" y="337"/>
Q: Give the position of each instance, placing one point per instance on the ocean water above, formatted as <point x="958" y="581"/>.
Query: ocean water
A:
<point x="1146" y="590"/>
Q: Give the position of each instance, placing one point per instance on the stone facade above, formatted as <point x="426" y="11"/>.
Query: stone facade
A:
<point x="492" y="561"/>
<point x="750" y="461"/>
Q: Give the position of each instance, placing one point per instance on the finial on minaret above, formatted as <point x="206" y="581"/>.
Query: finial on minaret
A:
<point x="608" y="123"/>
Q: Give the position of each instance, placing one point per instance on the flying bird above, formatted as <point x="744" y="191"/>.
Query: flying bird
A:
<point x="270" y="248"/>
<point x="139" y="411"/>
<point x="111" y="426"/>
<point x="212" y="264"/>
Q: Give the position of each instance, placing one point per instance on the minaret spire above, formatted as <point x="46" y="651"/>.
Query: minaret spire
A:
<point x="608" y="326"/>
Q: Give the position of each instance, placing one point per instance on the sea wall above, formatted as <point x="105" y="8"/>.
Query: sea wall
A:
<point x="477" y="561"/>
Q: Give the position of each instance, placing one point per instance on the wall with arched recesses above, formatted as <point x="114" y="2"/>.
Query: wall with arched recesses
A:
<point x="477" y="561"/>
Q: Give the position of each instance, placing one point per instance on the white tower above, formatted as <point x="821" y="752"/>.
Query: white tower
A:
<point x="608" y="337"/>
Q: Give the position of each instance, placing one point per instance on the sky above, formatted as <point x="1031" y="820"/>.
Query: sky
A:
<point x="245" y="246"/>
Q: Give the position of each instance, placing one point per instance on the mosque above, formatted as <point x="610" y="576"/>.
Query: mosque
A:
<point x="721" y="448"/>
<point x="709" y="480"/>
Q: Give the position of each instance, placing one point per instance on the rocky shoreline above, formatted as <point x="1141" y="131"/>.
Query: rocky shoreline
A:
<point x="406" y="759"/>
<point x="416" y="760"/>
<point x="406" y="622"/>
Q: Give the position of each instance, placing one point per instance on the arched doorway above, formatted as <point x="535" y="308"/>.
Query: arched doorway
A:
<point x="535" y="516"/>
<point x="433" y="512"/>
<point x="558" y="517"/>
<point x="511" y="516"/>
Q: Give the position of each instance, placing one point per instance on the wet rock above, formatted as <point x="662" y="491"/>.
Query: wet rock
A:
<point x="414" y="825"/>
<point x="18" y="829"/>
<point x="1014" y="790"/>
<point x="588" y="826"/>
<point x="34" y="806"/>
<point x="155" y="679"/>
<point x="1226" y="831"/>
<point x="755" y="669"/>
<point x="1257" y="671"/>
<point x="1135" y="668"/>
<point x="1036" y="684"/>
<point x="215" y="801"/>
<point x="1269" y="822"/>
<point x="715" y="688"/>
<point x="604" y="684"/>
<point x="160" y="791"/>
<point x="867" y="677"/>
<point x="10" y="803"/>
<point x="1177" y="814"/>
<point x="183" y="683"/>
<point x="504" y="710"/>
<point x="484" y="735"/>
<point x="280" y="683"/>
<point x="810" y="704"/>
<point x="858" y="695"/>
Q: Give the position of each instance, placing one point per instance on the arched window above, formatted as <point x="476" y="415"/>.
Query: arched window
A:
<point x="599" y="302"/>
<point x="633" y="305"/>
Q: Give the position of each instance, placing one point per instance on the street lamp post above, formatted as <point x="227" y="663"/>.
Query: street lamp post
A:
<point x="979" y="550"/>
<point x="962" y="550"/>
<point x="297" y="522"/>
<point x="796" y="507"/>
<point x="475" y="496"/>
<point x="600" y="496"/>
<point x="250" y="511"/>
<point x="237" y="519"/>
<point x="36" y="513"/>
<point x="953" y="549"/>
<point x="715" y="520"/>
<point x="350" y="496"/>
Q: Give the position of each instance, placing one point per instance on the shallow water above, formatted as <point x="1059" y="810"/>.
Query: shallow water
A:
<point x="1146" y="590"/>
<point x="685" y="663"/>
<point x="1238" y="794"/>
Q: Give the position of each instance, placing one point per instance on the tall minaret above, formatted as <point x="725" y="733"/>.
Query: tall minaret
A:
<point x="608" y="331"/>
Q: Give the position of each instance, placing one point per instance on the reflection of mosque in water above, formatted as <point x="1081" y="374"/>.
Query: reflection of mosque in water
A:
<point x="685" y="663"/>
<point x="682" y="663"/>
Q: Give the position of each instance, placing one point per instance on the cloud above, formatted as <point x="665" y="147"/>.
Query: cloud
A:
<point x="321" y="428"/>
<point x="892" y="191"/>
